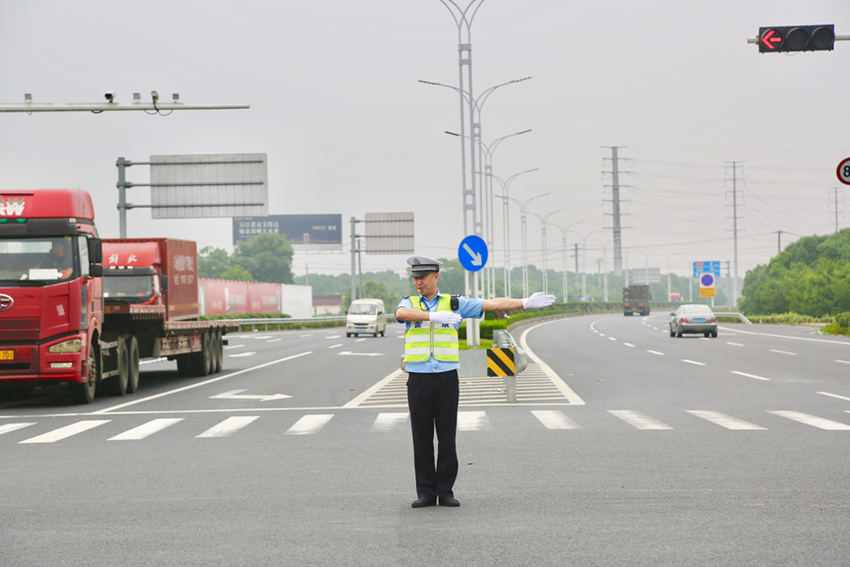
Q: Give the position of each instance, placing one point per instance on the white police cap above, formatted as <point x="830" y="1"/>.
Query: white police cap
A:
<point x="422" y="265"/>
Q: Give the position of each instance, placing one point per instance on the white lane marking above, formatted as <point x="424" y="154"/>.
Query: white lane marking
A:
<point x="241" y="354"/>
<point x="555" y="420"/>
<point x="349" y="353"/>
<point x="368" y="393"/>
<point x="233" y="346"/>
<point x="238" y="395"/>
<point x="359" y="340"/>
<point x="843" y="361"/>
<point x="146" y="429"/>
<point x="601" y="335"/>
<point x="309" y="424"/>
<point x="258" y="337"/>
<point x="844" y="343"/>
<point x="783" y="352"/>
<point x="750" y="375"/>
<point x="274" y="341"/>
<point x="724" y="420"/>
<point x="228" y="427"/>
<point x="629" y="345"/>
<point x="204" y="383"/>
<point x="472" y="421"/>
<point x="67" y="431"/>
<point x="388" y="421"/>
<point x="734" y="344"/>
<point x="834" y="396"/>
<point x="562" y="386"/>
<point x="812" y="420"/>
<point x="332" y="336"/>
<point x="9" y="427"/>
<point x="656" y="352"/>
<point x="611" y="339"/>
<point x="152" y="360"/>
<point x="693" y="362"/>
<point x="639" y="420"/>
<point x="335" y="346"/>
<point x="307" y="335"/>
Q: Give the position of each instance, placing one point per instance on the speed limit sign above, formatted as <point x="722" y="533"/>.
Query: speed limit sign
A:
<point x="844" y="171"/>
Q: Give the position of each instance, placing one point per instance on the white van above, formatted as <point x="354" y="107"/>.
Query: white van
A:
<point x="366" y="316"/>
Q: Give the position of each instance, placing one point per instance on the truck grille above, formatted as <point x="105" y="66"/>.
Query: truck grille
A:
<point x="19" y="329"/>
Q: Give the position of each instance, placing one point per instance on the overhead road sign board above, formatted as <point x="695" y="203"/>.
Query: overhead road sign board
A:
<point x="389" y="233"/>
<point x="472" y="253"/>
<point x="212" y="185"/>
<point x="706" y="267"/>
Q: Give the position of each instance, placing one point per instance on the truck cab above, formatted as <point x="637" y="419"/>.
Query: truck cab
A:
<point x="51" y="306"/>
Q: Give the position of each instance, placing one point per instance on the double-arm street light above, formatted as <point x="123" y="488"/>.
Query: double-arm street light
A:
<point x="506" y="231"/>
<point x="564" y="230"/>
<point x="584" y="259"/>
<point x="543" y="236"/>
<point x="523" y="207"/>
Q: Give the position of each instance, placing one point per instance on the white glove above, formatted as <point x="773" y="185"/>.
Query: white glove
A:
<point x="445" y="317"/>
<point x="538" y="300"/>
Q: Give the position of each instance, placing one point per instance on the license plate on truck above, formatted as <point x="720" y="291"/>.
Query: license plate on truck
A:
<point x="7" y="355"/>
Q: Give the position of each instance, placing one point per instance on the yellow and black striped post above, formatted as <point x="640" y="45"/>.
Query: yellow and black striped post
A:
<point x="500" y="362"/>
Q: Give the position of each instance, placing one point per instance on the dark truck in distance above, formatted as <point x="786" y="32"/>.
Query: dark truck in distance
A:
<point x="636" y="300"/>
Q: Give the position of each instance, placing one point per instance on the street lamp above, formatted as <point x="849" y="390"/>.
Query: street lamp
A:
<point x="543" y="236"/>
<point x="584" y="259"/>
<point x="564" y="230"/>
<point x="506" y="233"/>
<point x="523" y="207"/>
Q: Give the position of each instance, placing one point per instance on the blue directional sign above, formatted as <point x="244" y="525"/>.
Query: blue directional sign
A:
<point x="472" y="253"/>
<point x="706" y="267"/>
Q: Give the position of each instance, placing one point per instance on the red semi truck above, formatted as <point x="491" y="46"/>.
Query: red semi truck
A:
<point x="62" y="316"/>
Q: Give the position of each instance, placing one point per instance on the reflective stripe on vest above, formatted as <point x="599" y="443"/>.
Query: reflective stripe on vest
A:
<point x="420" y="343"/>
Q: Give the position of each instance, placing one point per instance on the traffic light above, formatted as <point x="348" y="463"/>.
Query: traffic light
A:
<point x="786" y="39"/>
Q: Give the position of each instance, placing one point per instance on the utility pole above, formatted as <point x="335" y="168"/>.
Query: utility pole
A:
<point x="615" y="199"/>
<point x="735" y="228"/>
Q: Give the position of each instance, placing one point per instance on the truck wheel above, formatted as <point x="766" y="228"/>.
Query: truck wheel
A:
<point x="84" y="393"/>
<point x="133" y="355"/>
<point x="209" y="354"/>
<point x="117" y="385"/>
<point x="218" y="351"/>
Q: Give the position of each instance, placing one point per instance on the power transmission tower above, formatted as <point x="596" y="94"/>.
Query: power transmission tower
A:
<point x="833" y="202"/>
<point x="735" y="165"/>
<point x="615" y="200"/>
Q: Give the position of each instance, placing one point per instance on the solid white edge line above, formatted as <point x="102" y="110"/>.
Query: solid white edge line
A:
<point x="560" y="384"/>
<point x="834" y="396"/>
<point x="784" y="336"/>
<point x="368" y="393"/>
<point x="204" y="383"/>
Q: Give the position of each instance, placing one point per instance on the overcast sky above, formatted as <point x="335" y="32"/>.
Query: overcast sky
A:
<point x="348" y="129"/>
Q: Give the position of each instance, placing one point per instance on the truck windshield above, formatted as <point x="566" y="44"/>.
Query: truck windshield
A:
<point x="38" y="259"/>
<point x="133" y="289"/>
<point x="362" y="309"/>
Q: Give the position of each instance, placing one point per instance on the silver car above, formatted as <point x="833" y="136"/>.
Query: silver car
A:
<point x="693" y="319"/>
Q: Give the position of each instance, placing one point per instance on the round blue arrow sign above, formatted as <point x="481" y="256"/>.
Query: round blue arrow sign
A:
<point x="472" y="253"/>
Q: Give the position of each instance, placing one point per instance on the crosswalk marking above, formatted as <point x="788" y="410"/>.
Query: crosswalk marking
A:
<point x="724" y="420"/>
<point x="555" y="420"/>
<point x="387" y="421"/>
<point x="145" y="429"/>
<point x="67" y="431"/>
<point x="309" y="424"/>
<point x="814" y="421"/>
<point x="472" y="421"/>
<point x="639" y="420"/>
<point x="229" y="426"/>
<point x="9" y="427"/>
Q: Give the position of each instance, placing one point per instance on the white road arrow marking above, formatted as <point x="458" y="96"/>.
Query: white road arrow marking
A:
<point x="235" y="395"/>
<point x="476" y="258"/>
<point x="348" y="353"/>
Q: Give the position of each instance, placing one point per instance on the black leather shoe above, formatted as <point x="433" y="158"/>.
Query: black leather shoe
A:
<point x="426" y="501"/>
<point x="449" y="501"/>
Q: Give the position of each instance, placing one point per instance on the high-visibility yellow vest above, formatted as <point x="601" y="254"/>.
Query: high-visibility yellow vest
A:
<point x="441" y="341"/>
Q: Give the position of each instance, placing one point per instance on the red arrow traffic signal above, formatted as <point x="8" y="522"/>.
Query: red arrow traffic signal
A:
<point x="783" y="39"/>
<point x="770" y="39"/>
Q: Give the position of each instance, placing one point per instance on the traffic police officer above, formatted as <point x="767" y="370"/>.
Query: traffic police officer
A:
<point x="431" y="359"/>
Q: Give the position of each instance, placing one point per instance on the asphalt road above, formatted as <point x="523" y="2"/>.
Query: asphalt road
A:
<point x="652" y="450"/>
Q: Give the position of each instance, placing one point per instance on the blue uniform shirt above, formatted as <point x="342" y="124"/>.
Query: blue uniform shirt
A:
<point x="467" y="308"/>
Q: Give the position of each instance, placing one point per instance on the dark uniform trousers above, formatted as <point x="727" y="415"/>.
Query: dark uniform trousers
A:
<point x="433" y="403"/>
